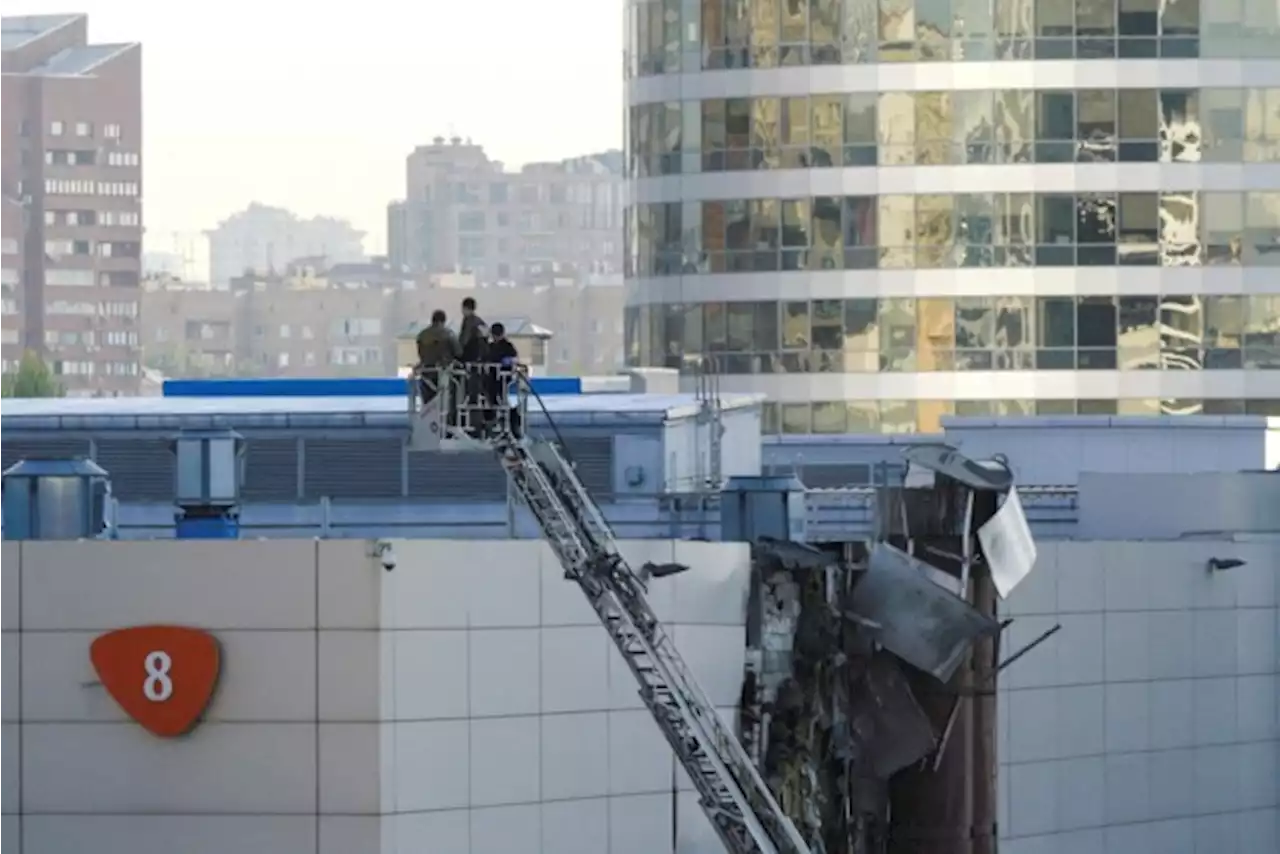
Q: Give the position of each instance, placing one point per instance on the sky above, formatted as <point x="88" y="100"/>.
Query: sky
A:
<point x="314" y="107"/>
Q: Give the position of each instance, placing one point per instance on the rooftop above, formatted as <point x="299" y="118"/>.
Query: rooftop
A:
<point x="174" y="413"/>
<point x="18" y="30"/>
<point x="75" y="61"/>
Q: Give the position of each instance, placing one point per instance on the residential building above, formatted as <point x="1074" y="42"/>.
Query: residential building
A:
<point x="464" y="212"/>
<point x="265" y="239"/>
<point x="346" y="320"/>
<point x="881" y="214"/>
<point x="72" y="209"/>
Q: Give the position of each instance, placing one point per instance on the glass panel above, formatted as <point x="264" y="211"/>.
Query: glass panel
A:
<point x="1139" y="121"/>
<point x="859" y="32"/>
<point x="1139" y="340"/>
<point x="973" y="127"/>
<point x="1262" y="229"/>
<point x="764" y="34"/>
<point x="1054" y="28"/>
<point x="929" y="414"/>
<point x="1014" y="29"/>
<point x="1139" y="229"/>
<point x="1055" y="127"/>
<point x="794" y="32"/>
<point x="795" y="325"/>
<point x="897" y="341"/>
<point x="933" y="30"/>
<point x="824" y="28"/>
<point x="1055" y="333"/>
<point x="975" y="333"/>
<point x="1095" y="230"/>
<point x="1096" y="126"/>
<point x="862" y="416"/>
<point x="1095" y="29"/>
<point x="1014" y="337"/>
<point x="1181" y="333"/>
<point x="933" y="126"/>
<point x="897" y="416"/>
<point x="1223" y="331"/>
<point x="1180" y="28"/>
<point x="935" y="335"/>
<point x="972" y="30"/>
<point x="975" y="230"/>
<point x="861" y="232"/>
<point x="1139" y="25"/>
<point x="1222" y="224"/>
<point x="1223" y="112"/>
<point x="825" y="234"/>
<point x="934" y="232"/>
<point x="861" y="138"/>
<point x="829" y="417"/>
<point x="896" y="128"/>
<point x="766" y="133"/>
<point x="795" y="133"/>
<point x="1181" y="136"/>
<point x="1180" y="230"/>
<point x="1262" y="332"/>
<point x="1015" y="125"/>
<point x="897" y="31"/>
<point x="896" y="225"/>
<point x="1056" y="221"/>
<point x="1016" y="229"/>
<point x="1096" y="330"/>
<point x="795" y="418"/>
<point x="861" y="336"/>
<point x="826" y="129"/>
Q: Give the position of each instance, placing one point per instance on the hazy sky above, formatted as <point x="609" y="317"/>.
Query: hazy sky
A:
<point x="314" y="107"/>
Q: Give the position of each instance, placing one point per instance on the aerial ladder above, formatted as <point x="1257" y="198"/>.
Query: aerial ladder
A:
<point x="734" y="796"/>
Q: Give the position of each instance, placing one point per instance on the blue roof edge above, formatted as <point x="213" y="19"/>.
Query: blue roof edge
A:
<point x="329" y="387"/>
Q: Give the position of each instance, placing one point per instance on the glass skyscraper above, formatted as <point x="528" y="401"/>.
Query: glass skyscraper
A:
<point x="882" y="212"/>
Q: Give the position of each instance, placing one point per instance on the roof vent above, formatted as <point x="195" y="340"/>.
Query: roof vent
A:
<point x="60" y="499"/>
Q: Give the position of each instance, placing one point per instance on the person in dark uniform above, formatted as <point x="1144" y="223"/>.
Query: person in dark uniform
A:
<point x="505" y="361"/>
<point x="473" y="338"/>
<point x="438" y="349"/>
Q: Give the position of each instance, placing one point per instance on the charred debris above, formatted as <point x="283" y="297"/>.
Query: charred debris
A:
<point x="869" y="693"/>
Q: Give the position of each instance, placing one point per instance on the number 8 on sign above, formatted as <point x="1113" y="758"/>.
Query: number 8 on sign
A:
<point x="161" y="676"/>
<point x="158" y="687"/>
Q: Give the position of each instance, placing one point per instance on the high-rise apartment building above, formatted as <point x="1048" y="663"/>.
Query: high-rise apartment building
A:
<point x="72" y="202"/>
<point x="879" y="213"/>
<point x="464" y="212"/>
<point x="264" y="239"/>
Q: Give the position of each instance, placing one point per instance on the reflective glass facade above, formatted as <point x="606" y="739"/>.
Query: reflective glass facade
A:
<point x="881" y="212"/>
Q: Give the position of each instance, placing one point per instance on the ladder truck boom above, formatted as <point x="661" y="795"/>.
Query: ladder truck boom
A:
<point x="734" y="796"/>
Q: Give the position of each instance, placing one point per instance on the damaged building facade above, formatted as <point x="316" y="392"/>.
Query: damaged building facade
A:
<point x="946" y="685"/>
<point x="871" y="666"/>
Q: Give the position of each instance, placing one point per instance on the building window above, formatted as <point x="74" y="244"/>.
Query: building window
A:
<point x="111" y="131"/>
<point x="84" y="129"/>
<point x="55" y="128"/>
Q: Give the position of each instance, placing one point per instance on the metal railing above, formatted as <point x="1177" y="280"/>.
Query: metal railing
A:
<point x="832" y="515"/>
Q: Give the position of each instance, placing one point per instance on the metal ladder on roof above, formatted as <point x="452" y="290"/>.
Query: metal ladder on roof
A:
<point x="731" y="791"/>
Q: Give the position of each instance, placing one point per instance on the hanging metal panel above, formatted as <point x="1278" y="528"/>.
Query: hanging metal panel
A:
<point x="140" y="469"/>
<point x="352" y="468"/>
<point x="270" y="470"/>
<point x="462" y="476"/>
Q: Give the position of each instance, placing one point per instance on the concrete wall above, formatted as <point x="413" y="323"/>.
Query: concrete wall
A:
<point x="466" y="702"/>
<point x="1148" y="724"/>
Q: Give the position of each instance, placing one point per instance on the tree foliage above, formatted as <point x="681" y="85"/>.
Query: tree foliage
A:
<point x="32" y="379"/>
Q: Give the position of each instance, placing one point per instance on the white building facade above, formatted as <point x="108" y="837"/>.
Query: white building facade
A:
<point x="881" y="212"/>
<point x="466" y="702"/>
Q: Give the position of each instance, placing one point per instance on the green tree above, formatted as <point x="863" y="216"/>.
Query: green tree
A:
<point x="33" y="379"/>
